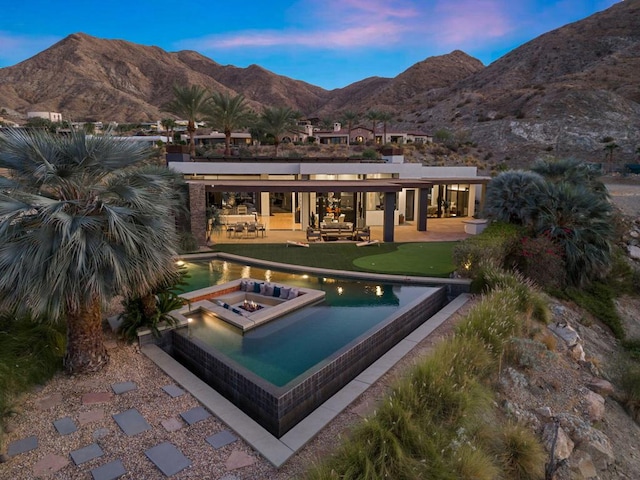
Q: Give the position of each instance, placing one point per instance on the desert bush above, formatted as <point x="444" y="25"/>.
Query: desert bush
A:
<point x="187" y="243"/>
<point x="31" y="352"/>
<point x="472" y="463"/>
<point x="540" y="259"/>
<point x="629" y="382"/>
<point x="493" y="320"/>
<point x="526" y="353"/>
<point x="530" y="300"/>
<point x="520" y="454"/>
<point x="597" y="298"/>
<point x="515" y="197"/>
<point x="494" y="246"/>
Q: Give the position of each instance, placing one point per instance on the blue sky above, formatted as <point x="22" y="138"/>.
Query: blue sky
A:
<point x="329" y="43"/>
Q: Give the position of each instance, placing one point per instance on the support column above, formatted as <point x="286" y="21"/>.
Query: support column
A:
<point x="198" y="210"/>
<point x="387" y="225"/>
<point x="423" y="198"/>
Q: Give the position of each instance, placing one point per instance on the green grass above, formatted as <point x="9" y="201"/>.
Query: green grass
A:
<point x="432" y="259"/>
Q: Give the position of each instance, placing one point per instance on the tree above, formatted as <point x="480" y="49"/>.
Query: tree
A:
<point x="169" y="124"/>
<point x="610" y="148"/>
<point x="189" y="103"/>
<point x="81" y="223"/>
<point x="278" y="121"/>
<point x="374" y="117"/>
<point x="350" y="118"/>
<point x="515" y="197"/>
<point x="227" y="114"/>
<point x="385" y="118"/>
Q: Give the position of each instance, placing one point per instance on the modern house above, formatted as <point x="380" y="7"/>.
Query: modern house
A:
<point x="306" y="190"/>
<point x="51" y="116"/>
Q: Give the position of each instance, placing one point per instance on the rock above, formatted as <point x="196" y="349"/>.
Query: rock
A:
<point x="577" y="352"/>
<point x="634" y="252"/>
<point x="582" y="466"/>
<point x="598" y="446"/>
<point x="544" y="412"/>
<point x="564" y="444"/>
<point x="565" y="332"/>
<point x="600" y="386"/>
<point x="594" y="405"/>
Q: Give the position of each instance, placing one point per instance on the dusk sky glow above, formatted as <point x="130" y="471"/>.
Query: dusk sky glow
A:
<point x="330" y="44"/>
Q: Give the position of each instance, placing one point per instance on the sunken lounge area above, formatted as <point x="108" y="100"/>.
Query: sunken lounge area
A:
<point x="248" y="303"/>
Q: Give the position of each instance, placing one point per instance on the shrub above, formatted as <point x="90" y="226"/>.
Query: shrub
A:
<point x="629" y="381"/>
<point x="540" y="259"/>
<point x="519" y="452"/>
<point x="597" y="299"/>
<point x="187" y="243"/>
<point x="515" y="197"/>
<point x="494" y="246"/>
<point x="31" y="352"/>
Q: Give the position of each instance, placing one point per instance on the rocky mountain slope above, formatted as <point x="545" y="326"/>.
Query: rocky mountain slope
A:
<point x="567" y="93"/>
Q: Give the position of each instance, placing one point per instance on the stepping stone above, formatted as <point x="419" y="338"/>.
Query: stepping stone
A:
<point x="195" y="415"/>
<point x="131" y="422"/>
<point x="96" y="397"/>
<point x="173" y="390"/>
<point x="90" y="416"/>
<point x="65" y="426"/>
<point x="123" y="387"/>
<point x="51" y="401"/>
<point x="221" y="439"/>
<point x="86" y="454"/>
<point x="49" y="464"/>
<point x="100" y="433"/>
<point x="109" y="471"/>
<point x="172" y="424"/>
<point x="21" y="446"/>
<point x="167" y="458"/>
<point x="239" y="459"/>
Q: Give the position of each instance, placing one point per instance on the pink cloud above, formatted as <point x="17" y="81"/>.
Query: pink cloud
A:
<point x="335" y="24"/>
<point x="471" y="20"/>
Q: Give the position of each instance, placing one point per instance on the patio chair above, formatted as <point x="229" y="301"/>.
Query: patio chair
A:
<point x="313" y="235"/>
<point x="252" y="229"/>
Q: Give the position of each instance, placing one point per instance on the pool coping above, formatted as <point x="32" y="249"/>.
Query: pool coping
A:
<point x="278" y="450"/>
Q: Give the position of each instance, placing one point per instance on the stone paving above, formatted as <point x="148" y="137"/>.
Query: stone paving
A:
<point x="165" y="456"/>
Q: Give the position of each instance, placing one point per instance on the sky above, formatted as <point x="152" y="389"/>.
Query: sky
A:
<point x="328" y="43"/>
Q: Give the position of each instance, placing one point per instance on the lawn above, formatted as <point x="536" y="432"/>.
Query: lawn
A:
<point x="432" y="259"/>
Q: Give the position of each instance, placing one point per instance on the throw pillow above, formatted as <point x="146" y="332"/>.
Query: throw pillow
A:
<point x="284" y="292"/>
<point x="268" y="290"/>
<point x="293" y="294"/>
<point x="276" y="291"/>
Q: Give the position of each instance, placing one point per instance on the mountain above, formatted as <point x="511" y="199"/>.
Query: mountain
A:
<point x="568" y="92"/>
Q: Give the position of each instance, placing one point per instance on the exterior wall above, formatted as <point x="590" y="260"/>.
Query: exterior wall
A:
<point x="52" y="116"/>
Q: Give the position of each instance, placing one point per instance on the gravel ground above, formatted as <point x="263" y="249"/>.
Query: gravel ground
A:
<point x="62" y="397"/>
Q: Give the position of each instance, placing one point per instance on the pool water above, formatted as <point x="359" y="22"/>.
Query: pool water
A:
<point x="286" y="348"/>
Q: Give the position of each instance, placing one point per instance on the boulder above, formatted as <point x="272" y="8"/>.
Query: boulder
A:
<point x="593" y="405"/>
<point x="564" y="444"/>
<point x="600" y="386"/>
<point x="634" y="252"/>
<point x="582" y="466"/>
<point x="566" y="332"/>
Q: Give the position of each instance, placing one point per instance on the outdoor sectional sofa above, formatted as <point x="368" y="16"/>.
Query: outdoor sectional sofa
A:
<point x="226" y="301"/>
<point x="336" y="230"/>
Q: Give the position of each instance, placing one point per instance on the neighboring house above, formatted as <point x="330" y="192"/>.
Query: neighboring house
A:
<point x="51" y="116"/>
<point x="216" y="138"/>
<point x="361" y="192"/>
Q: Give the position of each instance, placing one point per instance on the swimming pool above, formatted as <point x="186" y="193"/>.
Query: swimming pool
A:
<point x="279" y="372"/>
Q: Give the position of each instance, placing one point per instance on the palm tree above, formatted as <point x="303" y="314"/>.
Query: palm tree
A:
<point x="189" y="103"/>
<point x="278" y="121"/>
<point x="515" y="197"/>
<point x="580" y="222"/>
<point x="610" y="148"/>
<point x="374" y="117"/>
<point x="81" y="223"/>
<point x="350" y="118"/>
<point x="385" y="118"/>
<point x="228" y="113"/>
<point x="169" y="124"/>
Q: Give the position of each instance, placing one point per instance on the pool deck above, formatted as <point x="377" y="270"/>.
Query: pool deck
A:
<point x="278" y="451"/>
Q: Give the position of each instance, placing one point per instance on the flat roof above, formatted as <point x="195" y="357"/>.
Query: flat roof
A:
<point x="369" y="185"/>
